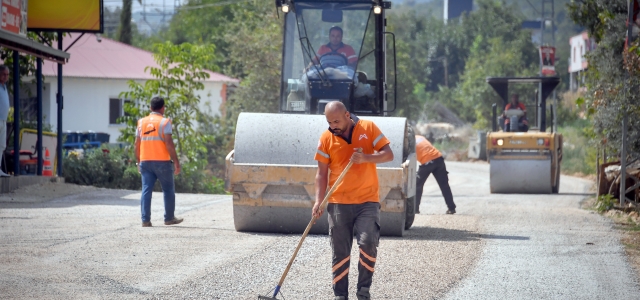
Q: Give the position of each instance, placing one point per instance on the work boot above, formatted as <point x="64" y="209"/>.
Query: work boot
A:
<point x="174" y="221"/>
<point x="363" y="294"/>
<point x="451" y="212"/>
<point x="146" y="224"/>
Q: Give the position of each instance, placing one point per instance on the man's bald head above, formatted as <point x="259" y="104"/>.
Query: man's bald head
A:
<point x="335" y="107"/>
<point x="338" y="117"/>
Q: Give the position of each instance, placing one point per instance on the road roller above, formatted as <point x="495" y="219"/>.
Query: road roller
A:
<point x="523" y="160"/>
<point x="271" y="170"/>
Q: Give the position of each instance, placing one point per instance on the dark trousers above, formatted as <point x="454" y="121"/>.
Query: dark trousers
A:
<point x="439" y="170"/>
<point x="345" y="220"/>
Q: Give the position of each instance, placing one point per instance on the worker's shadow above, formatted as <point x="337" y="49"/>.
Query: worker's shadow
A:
<point x="454" y="235"/>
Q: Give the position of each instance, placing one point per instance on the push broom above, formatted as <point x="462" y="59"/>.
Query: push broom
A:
<point x="306" y="232"/>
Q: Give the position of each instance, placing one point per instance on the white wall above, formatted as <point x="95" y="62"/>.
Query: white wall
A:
<point x="86" y="102"/>
<point x="577" y="43"/>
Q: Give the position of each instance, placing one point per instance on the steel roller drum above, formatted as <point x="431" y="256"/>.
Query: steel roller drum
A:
<point x="288" y="139"/>
<point x="520" y="176"/>
<point x="272" y="141"/>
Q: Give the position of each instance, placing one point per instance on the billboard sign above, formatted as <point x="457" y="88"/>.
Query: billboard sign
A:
<point x="14" y="16"/>
<point x="66" y="15"/>
<point x="547" y="59"/>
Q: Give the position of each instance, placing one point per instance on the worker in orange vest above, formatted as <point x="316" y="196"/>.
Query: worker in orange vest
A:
<point x="157" y="160"/>
<point x="354" y="207"/>
<point x="523" y="124"/>
<point x="431" y="161"/>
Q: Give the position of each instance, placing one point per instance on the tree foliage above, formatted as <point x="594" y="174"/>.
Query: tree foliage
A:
<point x="124" y="31"/>
<point x="612" y="81"/>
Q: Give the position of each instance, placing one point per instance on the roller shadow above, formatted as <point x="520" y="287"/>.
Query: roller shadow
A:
<point x="453" y="235"/>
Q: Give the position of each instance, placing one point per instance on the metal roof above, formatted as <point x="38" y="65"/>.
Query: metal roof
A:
<point x="109" y="59"/>
<point x="25" y="45"/>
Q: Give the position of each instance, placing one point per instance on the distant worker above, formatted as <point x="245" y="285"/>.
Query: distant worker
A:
<point x="354" y="207"/>
<point x="155" y="152"/>
<point x="336" y="53"/>
<point x="523" y="124"/>
<point x="431" y="161"/>
<point x="4" y="114"/>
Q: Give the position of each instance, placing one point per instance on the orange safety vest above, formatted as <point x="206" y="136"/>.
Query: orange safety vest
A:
<point x="152" y="146"/>
<point x="425" y="152"/>
<point x="519" y="106"/>
<point x="360" y="184"/>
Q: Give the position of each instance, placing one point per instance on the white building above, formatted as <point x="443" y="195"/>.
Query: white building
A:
<point x="580" y="45"/>
<point x="97" y="72"/>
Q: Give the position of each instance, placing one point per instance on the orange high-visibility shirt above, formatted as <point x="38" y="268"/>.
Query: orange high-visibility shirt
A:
<point x="519" y="106"/>
<point x="425" y="152"/>
<point x="152" y="130"/>
<point x="344" y="49"/>
<point x="360" y="184"/>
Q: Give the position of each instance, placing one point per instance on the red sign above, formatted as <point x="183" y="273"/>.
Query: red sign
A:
<point x="547" y="59"/>
<point x="14" y="16"/>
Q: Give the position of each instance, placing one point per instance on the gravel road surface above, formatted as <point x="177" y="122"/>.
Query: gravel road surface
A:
<point x="65" y="241"/>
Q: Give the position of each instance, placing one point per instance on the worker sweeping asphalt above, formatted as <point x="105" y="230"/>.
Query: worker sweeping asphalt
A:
<point x="354" y="207"/>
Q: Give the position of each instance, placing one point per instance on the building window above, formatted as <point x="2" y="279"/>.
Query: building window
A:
<point x="574" y="54"/>
<point x="29" y="109"/>
<point x="116" y="110"/>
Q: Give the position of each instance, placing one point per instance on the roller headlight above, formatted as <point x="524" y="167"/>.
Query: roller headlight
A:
<point x="500" y="142"/>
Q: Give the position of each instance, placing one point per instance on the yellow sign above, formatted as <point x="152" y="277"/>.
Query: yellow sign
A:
<point x="65" y="15"/>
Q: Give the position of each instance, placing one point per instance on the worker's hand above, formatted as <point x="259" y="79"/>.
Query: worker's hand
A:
<point x="358" y="157"/>
<point x="138" y="166"/>
<point x="317" y="211"/>
<point x="177" y="168"/>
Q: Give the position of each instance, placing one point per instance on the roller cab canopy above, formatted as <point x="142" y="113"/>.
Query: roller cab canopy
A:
<point x="545" y="84"/>
<point x="317" y="67"/>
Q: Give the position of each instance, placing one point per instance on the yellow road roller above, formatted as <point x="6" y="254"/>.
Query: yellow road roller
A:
<point x="332" y="50"/>
<point x="524" y="155"/>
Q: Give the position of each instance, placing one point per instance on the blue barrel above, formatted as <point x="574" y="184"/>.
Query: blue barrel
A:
<point x="88" y="136"/>
<point x="102" y="137"/>
<point x="71" y="137"/>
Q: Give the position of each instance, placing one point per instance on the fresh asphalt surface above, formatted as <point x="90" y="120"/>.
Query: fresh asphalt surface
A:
<point x="90" y="245"/>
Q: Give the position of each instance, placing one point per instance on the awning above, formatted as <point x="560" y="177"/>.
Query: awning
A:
<point x="25" y="45"/>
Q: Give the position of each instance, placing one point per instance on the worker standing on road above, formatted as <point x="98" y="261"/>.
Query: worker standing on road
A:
<point x="431" y="161"/>
<point x="155" y="152"/>
<point x="354" y="206"/>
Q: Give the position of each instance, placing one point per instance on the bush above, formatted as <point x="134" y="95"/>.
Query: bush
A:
<point x="116" y="169"/>
<point x="605" y="203"/>
<point x="578" y="155"/>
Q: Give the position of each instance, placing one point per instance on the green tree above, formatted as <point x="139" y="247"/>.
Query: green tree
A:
<point x="124" y="31"/>
<point x="612" y="85"/>
<point x="494" y="57"/>
<point x="182" y="68"/>
<point x="255" y="57"/>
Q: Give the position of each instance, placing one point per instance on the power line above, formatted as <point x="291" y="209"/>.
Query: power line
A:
<point x="221" y="3"/>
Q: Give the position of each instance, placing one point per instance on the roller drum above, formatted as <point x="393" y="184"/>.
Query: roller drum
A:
<point x="521" y="176"/>
<point x="275" y="171"/>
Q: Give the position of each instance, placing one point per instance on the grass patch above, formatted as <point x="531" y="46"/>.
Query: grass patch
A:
<point x="578" y="155"/>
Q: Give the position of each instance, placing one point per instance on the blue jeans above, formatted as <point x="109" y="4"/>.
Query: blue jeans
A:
<point x="152" y="171"/>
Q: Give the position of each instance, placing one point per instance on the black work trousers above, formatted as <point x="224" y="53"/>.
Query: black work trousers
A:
<point x="439" y="170"/>
<point x="345" y="220"/>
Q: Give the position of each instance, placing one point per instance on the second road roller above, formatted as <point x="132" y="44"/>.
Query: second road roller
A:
<point x="524" y="153"/>
<point x="271" y="171"/>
